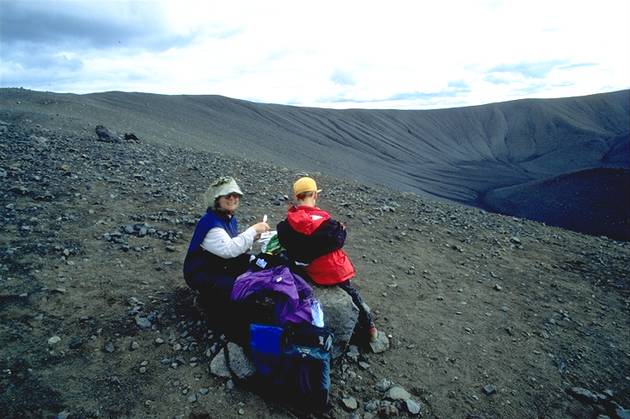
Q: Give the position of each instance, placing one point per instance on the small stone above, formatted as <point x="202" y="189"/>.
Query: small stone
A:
<point x="583" y="394"/>
<point x="177" y="347"/>
<point x="412" y="407"/>
<point x="134" y="345"/>
<point x="159" y="341"/>
<point x="64" y="414"/>
<point x="498" y="287"/>
<point x="353" y="353"/>
<point x="397" y="393"/>
<point x="192" y="398"/>
<point x="383" y="385"/>
<point x="350" y="403"/>
<point x="54" y="340"/>
<point x="489" y="389"/>
<point x="143" y="322"/>
<point x="381" y="344"/>
<point x="109" y="347"/>
<point x="364" y="365"/>
<point x="371" y="406"/>
<point x="621" y="412"/>
<point x="203" y="391"/>
<point x="142" y="370"/>
<point x="241" y="412"/>
<point x="387" y="410"/>
<point x="75" y="343"/>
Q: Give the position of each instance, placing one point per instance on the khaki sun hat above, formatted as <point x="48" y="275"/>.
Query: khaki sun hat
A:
<point x="225" y="185"/>
<point x="305" y="184"/>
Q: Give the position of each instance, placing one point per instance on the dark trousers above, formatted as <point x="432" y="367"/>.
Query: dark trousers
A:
<point x="224" y="315"/>
<point x="365" y="319"/>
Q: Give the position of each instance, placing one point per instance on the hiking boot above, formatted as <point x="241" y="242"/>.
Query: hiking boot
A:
<point x="372" y="333"/>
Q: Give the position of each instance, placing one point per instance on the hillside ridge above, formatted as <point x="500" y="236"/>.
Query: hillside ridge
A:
<point x="459" y="154"/>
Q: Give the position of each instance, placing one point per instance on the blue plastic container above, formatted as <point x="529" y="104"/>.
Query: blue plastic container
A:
<point x="265" y="344"/>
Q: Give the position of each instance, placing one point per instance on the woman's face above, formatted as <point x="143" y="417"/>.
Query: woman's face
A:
<point x="229" y="203"/>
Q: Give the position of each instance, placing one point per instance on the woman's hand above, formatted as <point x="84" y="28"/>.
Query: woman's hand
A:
<point x="261" y="227"/>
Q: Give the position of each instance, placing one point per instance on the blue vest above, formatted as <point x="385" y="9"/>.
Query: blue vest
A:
<point x="201" y="261"/>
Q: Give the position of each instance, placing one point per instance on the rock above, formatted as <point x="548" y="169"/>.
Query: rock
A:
<point x="383" y="385"/>
<point x="621" y="412"/>
<point x="143" y="322"/>
<point x="387" y="410"/>
<point x="371" y="406"/>
<point x="340" y="315"/>
<point x="54" y="340"/>
<point x="397" y="393"/>
<point x="353" y="353"/>
<point x="64" y="414"/>
<point x="583" y="395"/>
<point x="240" y="365"/>
<point x="106" y="135"/>
<point x="489" y="389"/>
<point x="413" y="407"/>
<point x="381" y="344"/>
<point x="498" y="287"/>
<point x="109" y="347"/>
<point x="192" y="398"/>
<point x="134" y="345"/>
<point x="130" y="136"/>
<point x="350" y="403"/>
<point x="75" y="343"/>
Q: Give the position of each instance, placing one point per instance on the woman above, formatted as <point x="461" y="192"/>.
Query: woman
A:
<point x="218" y="253"/>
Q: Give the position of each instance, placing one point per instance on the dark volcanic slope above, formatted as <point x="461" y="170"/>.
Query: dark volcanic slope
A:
<point x="458" y="154"/>
<point x="595" y="201"/>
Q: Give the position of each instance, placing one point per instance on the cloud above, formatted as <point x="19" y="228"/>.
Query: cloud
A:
<point x="342" y="78"/>
<point x="578" y="65"/>
<point x="93" y="24"/>
<point x="410" y="55"/>
<point x="536" y="70"/>
<point x="496" y="79"/>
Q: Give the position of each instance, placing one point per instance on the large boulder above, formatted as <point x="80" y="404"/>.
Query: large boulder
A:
<point x="240" y="364"/>
<point x="340" y="315"/>
<point x="106" y="135"/>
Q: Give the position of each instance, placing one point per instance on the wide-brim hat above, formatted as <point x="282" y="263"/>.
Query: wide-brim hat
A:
<point x="223" y="186"/>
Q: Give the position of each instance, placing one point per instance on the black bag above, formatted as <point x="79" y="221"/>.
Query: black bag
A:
<point x="306" y="349"/>
<point x="301" y="371"/>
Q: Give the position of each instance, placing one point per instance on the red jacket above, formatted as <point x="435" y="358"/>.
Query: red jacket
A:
<point x="311" y="236"/>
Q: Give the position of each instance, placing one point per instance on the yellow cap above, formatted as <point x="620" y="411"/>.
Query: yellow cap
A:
<point x="305" y="184"/>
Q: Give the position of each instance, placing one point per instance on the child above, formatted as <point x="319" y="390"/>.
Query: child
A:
<point x="314" y="241"/>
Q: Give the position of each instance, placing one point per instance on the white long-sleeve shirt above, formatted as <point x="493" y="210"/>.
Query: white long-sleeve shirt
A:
<point x="219" y="242"/>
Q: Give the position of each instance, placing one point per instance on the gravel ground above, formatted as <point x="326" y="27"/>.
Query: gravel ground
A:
<point x="488" y="316"/>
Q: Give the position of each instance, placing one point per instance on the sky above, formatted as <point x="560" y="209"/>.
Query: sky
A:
<point x="422" y="54"/>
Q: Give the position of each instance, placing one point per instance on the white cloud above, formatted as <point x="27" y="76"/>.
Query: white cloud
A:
<point x="401" y="54"/>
